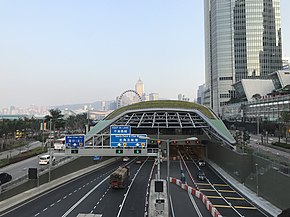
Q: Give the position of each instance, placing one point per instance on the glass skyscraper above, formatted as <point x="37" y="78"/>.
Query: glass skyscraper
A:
<point x="242" y="40"/>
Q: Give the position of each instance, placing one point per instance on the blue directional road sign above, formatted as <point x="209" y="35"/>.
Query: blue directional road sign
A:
<point x="131" y="140"/>
<point x="75" y="141"/>
<point x="120" y="130"/>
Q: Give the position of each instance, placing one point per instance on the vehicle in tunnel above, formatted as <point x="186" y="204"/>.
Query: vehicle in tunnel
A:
<point x="201" y="175"/>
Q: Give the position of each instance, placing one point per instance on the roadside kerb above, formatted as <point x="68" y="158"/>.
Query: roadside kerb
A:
<point x="10" y="202"/>
<point x="210" y="207"/>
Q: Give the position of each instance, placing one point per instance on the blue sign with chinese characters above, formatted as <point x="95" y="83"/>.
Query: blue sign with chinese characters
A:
<point x="131" y="140"/>
<point x="75" y="141"/>
<point x="120" y="130"/>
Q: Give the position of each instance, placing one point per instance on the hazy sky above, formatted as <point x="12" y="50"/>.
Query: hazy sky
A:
<point x="70" y="51"/>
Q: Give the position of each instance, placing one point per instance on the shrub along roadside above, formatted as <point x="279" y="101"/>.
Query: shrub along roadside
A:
<point x="282" y="145"/>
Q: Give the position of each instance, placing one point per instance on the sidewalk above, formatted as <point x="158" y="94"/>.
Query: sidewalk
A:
<point x="252" y="196"/>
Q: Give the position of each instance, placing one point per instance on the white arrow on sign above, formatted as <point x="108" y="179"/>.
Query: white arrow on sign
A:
<point x="119" y="144"/>
<point x="74" y="144"/>
<point x="137" y="144"/>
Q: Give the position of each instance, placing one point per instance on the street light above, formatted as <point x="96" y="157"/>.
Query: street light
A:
<point x="257" y="179"/>
<point x="168" y="159"/>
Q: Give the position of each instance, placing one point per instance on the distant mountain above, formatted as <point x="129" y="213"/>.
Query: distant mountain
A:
<point x="98" y="105"/>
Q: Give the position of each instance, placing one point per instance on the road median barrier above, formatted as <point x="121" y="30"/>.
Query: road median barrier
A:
<point x="210" y="207"/>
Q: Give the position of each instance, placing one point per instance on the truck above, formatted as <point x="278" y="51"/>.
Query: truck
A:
<point x="119" y="178"/>
<point x="59" y="144"/>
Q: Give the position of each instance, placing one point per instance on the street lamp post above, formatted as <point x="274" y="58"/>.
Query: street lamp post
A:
<point x="158" y="156"/>
<point x="168" y="174"/>
<point x="42" y="134"/>
<point x="257" y="179"/>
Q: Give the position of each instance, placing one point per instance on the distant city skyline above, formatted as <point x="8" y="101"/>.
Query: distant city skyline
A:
<point x="69" y="52"/>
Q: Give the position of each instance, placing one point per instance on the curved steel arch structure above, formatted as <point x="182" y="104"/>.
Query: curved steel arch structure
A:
<point x="127" y="91"/>
<point x="166" y="117"/>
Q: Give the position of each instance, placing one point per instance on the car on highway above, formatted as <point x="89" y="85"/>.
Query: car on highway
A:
<point x="126" y="159"/>
<point x="201" y="175"/>
<point x="138" y="161"/>
<point x="5" y="177"/>
<point x="201" y="163"/>
<point x="44" y="159"/>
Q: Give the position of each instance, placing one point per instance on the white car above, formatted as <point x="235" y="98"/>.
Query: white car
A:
<point x="126" y="159"/>
<point x="201" y="163"/>
<point x="44" y="159"/>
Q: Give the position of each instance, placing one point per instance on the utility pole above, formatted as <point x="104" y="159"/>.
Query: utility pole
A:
<point x="158" y="155"/>
<point x="42" y="134"/>
<point x="49" y="152"/>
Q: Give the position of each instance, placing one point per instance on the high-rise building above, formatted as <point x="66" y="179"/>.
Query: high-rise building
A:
<point x="139" y="87"/>
<point x="242" y="40"/>
<point x="153" y="96"/>
<point x="200" y="94"/>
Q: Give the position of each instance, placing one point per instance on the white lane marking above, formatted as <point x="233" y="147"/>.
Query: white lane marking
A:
<point x="171" y="205"/>
<point x="75" y="191"/>
<point x="69" y="194"/>
<point x="36" y="214"/>
<point x="80" y="188"/>
<point x="84" y="197"/>
<point x="52" y="205"/>
<point x="129" y="187"/>
<point x="224" y="198"/>
<point x="44" y="210"/>
<point x="194" y="205"/>
<point x="60" y="199"/>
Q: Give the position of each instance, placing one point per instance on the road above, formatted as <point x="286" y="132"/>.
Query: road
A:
<point x="256" y="140"/>
<point x="92" y="193"/>
<point x="222" y="195"/>
<point x="16" y="151"/>
<point x="20" y="169"/>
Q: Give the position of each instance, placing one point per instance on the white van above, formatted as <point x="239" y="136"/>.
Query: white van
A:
<point x="44" y="159"/>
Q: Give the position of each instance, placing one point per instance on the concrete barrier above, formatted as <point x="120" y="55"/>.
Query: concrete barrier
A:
<point x="210" y="207"/>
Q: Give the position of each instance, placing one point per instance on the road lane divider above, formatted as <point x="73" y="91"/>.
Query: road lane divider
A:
<point x="210" y="207"/>
<point x="84" y="197"/>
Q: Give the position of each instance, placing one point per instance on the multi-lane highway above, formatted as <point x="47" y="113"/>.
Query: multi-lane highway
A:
<point x="92" y="193"/>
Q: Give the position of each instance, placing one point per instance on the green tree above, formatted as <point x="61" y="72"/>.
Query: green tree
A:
<point x="55" y="118"/>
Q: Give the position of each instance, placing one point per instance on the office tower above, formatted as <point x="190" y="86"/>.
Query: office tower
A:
<point x="153" y="96"/>
<point x="242" y="40"/>
<point x="139" y="87"/>
<point x="200" y="94"/>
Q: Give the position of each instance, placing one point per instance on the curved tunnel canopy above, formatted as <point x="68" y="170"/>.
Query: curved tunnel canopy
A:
<point x="165" y="114"/>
